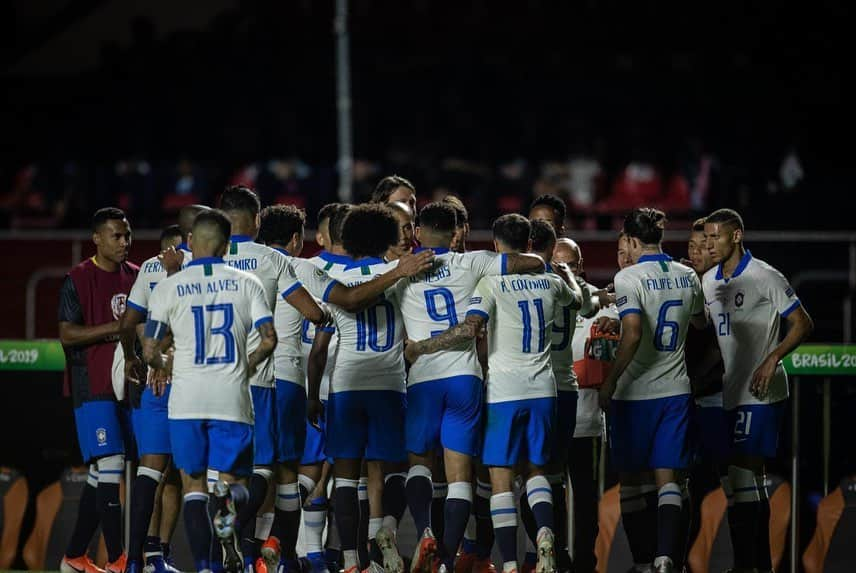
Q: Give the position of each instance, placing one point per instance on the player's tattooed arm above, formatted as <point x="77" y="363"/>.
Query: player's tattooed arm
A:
<point x="449" y="338"/>
<point x="520" y="263"/>
<point x="316" y="364"/>
<point x="631" y="336"/>
<point x="265" y="347"/>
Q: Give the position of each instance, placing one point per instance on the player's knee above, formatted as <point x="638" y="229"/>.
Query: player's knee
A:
<point x="110" y="468"/>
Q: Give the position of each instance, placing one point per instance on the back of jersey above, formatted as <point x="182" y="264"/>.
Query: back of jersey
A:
<point x="520" y="311"/>
<point x="369" y="352"/>
<point x="333" y="265"/>
<point x="210" y="309"/>
<point x="435" y="300"/>
<point x="665" y="294"/>
<point x="288" y="356"/>
<point x="276" y="276"/>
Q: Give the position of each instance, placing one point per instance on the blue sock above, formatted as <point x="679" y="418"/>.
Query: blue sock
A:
<point x="504" y="516"/>
<point x="540" y="497"/>
<point x="395" y="496"/>
<point x="420" y="493"/>
<point x="456" y="514"/>
<point x="198" y="525"/>
<point x="142" y="505"/>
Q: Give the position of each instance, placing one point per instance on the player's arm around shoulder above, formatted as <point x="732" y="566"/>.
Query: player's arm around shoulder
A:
<point x="478" y="312"/>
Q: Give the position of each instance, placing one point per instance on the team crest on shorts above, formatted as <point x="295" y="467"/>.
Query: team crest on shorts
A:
<point x="101" y="436"/>
<point x="738" y="299"/>
<point x="117" y="304"/>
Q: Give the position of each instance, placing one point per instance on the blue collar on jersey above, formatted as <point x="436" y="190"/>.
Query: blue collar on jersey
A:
<point x="206" y="261"/>
<point x="183" y="246"/>
<point x="364" y="262"/>
<point x="654" y="258"/>
<point x="283" y="251"/>
<point x="548" y="268"/>
<point x="741" y="266"/>
<point x="241" y="239"/>
<point x="437" y="250"/>
<point x="334" y="258"/>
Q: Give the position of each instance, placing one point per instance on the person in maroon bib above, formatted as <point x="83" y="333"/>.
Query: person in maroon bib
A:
<point x="92" y="300"/>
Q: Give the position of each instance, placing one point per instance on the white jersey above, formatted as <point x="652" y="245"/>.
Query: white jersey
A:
<point x="332" y="264"/>
<point x="520" y="310"/>
<point x="666" y="294"/>
<point x="288" y="356"/>
<point x="590" y="418"/>
<point x="151" y="273"/>
<point x="436" y="300"/>
<point x="745" y="311"/>
<point x="278" y="278"/>
<point x="210" y="309"/>
<point x="369" y="355"/>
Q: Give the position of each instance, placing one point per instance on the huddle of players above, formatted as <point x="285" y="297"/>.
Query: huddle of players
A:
<point x="363" y="299"/>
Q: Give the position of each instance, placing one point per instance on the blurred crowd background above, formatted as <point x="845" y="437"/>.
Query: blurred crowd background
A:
<point x="686" y="106"/>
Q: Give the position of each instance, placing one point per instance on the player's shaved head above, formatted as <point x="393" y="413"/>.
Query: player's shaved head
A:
<point x="566" y="251"/>
<point x="188" y="214"/>
<point x="210" y="235"/>
<point x="337" y="219"/>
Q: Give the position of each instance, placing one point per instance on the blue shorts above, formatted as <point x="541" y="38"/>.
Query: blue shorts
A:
<point x="290" y="421"/>
<point x="711" y="433"/>
<point x="366" y="424"/>
<point x="444" y="412"/>
<point x="519" y="430"/>
<point x="103" y="429"/>
<point x="264" y="442"/>
<point x="151" y="423"/>
<point x="217" y="444"/>
<point x="650" y="434"/>
<point x="755" y="429"/>
<point x="315" y="448"/>
<point x="566" y="423"/>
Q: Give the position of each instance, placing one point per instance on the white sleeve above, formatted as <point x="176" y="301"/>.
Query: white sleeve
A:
<point x="159" y="304"/>
<point x="778" y="290"/>
<point x="626" y="296"/>
<point x="486" y="263"/>
<point x="260" y="312"/>
<point x="566" y="295"/>
<point x="314" y="279"/>
<point x="287" y="281"/>
<point x="138" y="299"/>
<point x="483" y="301"/>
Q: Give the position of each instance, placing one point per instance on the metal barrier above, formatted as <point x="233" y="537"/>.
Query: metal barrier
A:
<point x="815" y="360"/>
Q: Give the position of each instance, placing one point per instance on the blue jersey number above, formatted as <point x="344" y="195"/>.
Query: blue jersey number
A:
<point x="367" y="328"/>
<point x="564" y="329"/>
<point x="448" y="314"/>
<point x="526" y="315"/>
<point x="224" y="330"/>
<point x="724" y="323"/>
<point x="664" y="325"/>
<point x="304" y="332"/>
